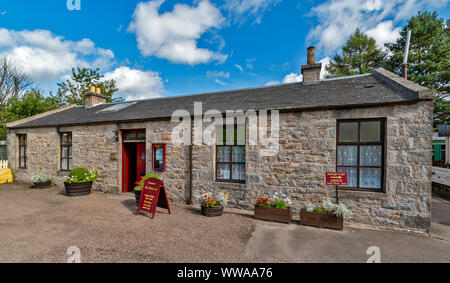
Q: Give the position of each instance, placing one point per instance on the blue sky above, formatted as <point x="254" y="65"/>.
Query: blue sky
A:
<point x="164" y="48"/>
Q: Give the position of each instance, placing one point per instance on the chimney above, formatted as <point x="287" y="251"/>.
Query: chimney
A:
<point x="311" y="71"/>
<point x="94" y="97"/>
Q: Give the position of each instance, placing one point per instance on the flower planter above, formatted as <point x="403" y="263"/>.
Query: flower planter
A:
<point x="138" y="194"/>
<point x="212" y="211"/>
<point x="78" y="189"/>
<point x="273" y="214"/>
<point x="324" y="220"/>
<point x="43" y="185"/>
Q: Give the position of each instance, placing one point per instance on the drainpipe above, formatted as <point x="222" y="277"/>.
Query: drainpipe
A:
<point x="189" y="202"/>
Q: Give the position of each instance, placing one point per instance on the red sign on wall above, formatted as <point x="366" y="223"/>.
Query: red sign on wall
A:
<point x="153" y="195"/>
<point x="336" y="179"/>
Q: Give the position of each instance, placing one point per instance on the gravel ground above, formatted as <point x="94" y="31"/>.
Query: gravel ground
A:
<point x="39" y="226"/>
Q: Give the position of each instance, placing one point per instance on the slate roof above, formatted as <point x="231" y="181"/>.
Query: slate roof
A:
<point x="378" y="88"/>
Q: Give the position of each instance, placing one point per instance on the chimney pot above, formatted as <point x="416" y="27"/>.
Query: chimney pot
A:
<point x="97" y="90"/>
<point x="92" y="88"/>
<point x="311" y="55"/>
<point x="94" y="97"/>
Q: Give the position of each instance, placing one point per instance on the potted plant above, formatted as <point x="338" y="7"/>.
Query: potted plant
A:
<point x="276" y="210"/>
<point x="329" y="215"/>
<point x="79" y="182"/>
<point x="140" y="184"/>
<point x="213" y="204"/>
<point x="41" y="180"/>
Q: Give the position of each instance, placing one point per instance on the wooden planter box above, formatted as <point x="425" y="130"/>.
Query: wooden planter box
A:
<point x="78" y="189"/>
<point x="212" y="211"/>
<point x="43" y="185"/>
<point x="324" y="220"/>
<point x="273" y="214"/>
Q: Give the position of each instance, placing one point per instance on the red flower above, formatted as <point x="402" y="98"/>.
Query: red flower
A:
<point x="137" y="183"/>
<point x="266" y="199"/>
<point x="206" y="196"/>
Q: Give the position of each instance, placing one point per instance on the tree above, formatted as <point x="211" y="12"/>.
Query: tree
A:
<point x="72" y="90"/>
<point x="31" y="103"/>
<point x="428" y="59"/>
<point x="13" y="82"/>
<point x="360" y="55"/>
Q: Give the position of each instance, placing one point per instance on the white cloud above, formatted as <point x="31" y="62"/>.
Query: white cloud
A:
<point x="241" y="10"/>
<point x="338" y="19"/>
<point x="136" y="84"/>
<point x="219" y="82"/>
<point x="239" y="67"/>
<point x="47" y="57"/>
<point x="173" y="35"/>
<point x="293" y="78"/>
<point x="271" y="83"/>
<point x="2" y="13"/>
<point x="384" y="32"/>
<point x="216" y="74"/>
<point x="325" y="62"/>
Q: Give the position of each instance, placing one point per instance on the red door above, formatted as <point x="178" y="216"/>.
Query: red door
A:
<point x="141" y="158"/>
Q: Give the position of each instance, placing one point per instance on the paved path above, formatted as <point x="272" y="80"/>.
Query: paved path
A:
<point x="273" y="242"/>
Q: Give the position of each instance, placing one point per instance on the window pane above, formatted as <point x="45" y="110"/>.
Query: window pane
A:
<point x="22" y="162"/>
<point x="238" y="172"/>
<point x="238" y="154"/>
<point x="347" y="155"/>
<point x="69" y="138"/>
<point x="240" y="135"/>
<point x="64" y="138"/>
<point x="370" y="155"/>
<point x="370" y="131"/>
<point x="64" y="152"/>
<point x="70" y="164"/>
<point x="351" y="176"/>
<point x="348" y="132"/>
<point x="223" y="154"/>
<point x="223" y="171"/>
<point x="70" y="151"/>
<point x="22" y="151"/>
<point x="64" y="164"/>
<point x="370" y="178"/>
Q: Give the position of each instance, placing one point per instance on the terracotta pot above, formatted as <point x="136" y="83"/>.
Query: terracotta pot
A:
<point x="78" y="189"/>
<point x="43" y="185"/>
<point x="212" y="211"/>
<point x="273" y="214"/>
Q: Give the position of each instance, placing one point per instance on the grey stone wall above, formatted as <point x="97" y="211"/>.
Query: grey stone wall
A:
<point x="307" y="151"/>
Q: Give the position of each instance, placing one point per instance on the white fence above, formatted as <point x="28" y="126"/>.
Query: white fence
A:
<point x="3" y="164"/>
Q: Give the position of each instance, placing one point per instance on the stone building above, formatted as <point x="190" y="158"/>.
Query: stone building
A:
<point x="376" y="127"/>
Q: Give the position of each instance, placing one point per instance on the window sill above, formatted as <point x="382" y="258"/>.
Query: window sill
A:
<point x="230" y="185"/>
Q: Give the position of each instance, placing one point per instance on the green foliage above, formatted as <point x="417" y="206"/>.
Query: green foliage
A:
<point x="359" y="56"/>
<point x="319" y="210"/>
<point x="278" y="203"/>
<point x="140" y="184"/>
<point x="81" y="175"/>
<point x="428" y="59"/>
<point x="72" y="90"/>
<point x="30" y="104"/>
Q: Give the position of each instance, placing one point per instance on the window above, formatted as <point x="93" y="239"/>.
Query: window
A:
<point x="134" y="136"/>
<point x="159" y="157"/>
<point x="117" y="107"/>
<point x="442" y="152"/>
<point x="230" y="157"/>
<point x="22" y="151"/>
<point x="66" y="151"/>
<point x="360" y="153"/>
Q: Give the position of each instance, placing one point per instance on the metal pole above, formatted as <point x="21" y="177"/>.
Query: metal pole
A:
<point x="405" y="56"/>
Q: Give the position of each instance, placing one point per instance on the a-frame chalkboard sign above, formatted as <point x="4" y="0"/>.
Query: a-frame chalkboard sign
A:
<point x="153" y="195"/>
